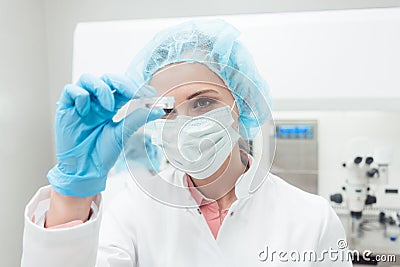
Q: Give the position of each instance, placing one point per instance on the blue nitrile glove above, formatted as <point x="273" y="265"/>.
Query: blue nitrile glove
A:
<point x="88" y="142"/>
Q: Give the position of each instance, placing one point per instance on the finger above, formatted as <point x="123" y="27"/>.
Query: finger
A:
<point x="128" y="88"/>
<point x="120" y="84"/>
<point x="99" y="89"/>
<point x="73" y="95"/>
<point x="137" y="119"/>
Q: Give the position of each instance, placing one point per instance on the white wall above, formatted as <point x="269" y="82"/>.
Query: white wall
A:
<point x="25" y="124"/>
<point x="345" y="54"/>
<point x="62" y="17"/>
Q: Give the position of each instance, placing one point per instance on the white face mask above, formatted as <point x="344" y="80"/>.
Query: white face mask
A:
<point x="197" y="145"/>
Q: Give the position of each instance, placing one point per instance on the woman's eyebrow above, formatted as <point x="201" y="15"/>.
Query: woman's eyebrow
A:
<point x="201" y="92"/>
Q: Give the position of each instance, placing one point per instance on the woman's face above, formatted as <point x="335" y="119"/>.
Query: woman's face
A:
<point x="198" y="90"/>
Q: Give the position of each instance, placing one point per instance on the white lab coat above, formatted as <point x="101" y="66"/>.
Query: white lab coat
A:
<point x="136" y="230"/>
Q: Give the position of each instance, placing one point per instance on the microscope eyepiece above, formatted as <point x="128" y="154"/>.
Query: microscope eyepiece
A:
<point x="357" y="160"/>
<point x="369" y="160"/>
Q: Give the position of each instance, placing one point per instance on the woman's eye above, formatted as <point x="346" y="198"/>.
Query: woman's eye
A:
<point x="203" y="102"/>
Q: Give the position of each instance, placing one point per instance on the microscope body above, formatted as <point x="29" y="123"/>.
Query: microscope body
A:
<point x="357" y="190"/>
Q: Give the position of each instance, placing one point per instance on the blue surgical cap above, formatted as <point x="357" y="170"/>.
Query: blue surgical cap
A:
<point x="212" y="42"/>
<point x="138" y="150"/>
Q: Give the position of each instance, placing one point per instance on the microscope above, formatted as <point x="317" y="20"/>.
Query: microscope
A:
<point x="357" y="189"/>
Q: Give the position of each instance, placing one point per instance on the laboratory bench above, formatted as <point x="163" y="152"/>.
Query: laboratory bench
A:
<point x="372" y="238"/>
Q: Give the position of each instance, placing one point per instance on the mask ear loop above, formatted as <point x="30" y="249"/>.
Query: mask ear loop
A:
<point x="233" y="105"/>
<point x="246" y="158"/>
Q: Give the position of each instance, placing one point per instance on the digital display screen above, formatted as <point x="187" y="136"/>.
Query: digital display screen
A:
<point x="293" y="131"/>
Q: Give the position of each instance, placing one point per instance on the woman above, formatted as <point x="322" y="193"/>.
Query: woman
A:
<point x="214" y="207"/>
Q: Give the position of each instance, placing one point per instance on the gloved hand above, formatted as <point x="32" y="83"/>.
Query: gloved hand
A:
<point x="88" y="142"/>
